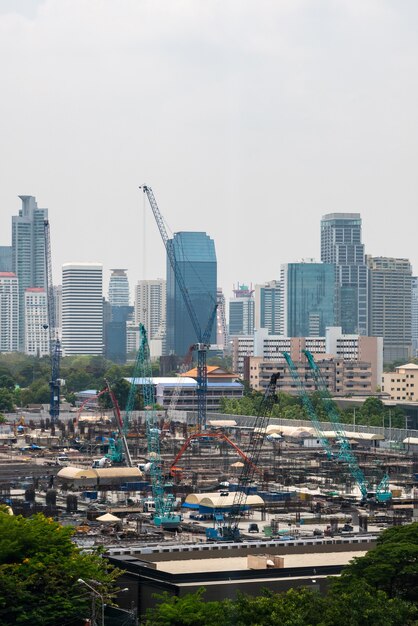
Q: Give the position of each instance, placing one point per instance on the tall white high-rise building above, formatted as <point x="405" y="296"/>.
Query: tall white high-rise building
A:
<point x="390" y="305"/>
<point x="221" y="325"/>
<point x="150" y="306"/>
<point x="28" y="253"/>
<point x="82" y="308"/>
<point x="119" y="288"/>
<point x="414" y="316"/>
<point x="268" y="307"/>
<point x="36" y="322"/>
<point x="58" y="308"/>
<point x="9" y="312"/>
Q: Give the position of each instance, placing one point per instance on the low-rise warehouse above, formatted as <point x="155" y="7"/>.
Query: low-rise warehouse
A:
<point x="224" y="570"/>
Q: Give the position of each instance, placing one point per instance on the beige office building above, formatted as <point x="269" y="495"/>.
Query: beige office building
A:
<point x="402" y="384"/>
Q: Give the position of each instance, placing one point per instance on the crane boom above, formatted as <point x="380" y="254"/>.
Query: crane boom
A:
<point x="230" y="532"/>
<point x="54" y="342"/>
<point x="203" y="338"/>
<point x="168" y="244"/>
<point x="308" y="405"/>
<point x="345" y="451"/>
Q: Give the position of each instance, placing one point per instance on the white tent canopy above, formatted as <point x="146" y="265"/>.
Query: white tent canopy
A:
<point x="107" y="517"/>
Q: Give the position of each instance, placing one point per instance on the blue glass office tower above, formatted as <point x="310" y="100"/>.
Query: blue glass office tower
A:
<point x="308" y="298"/>
<point x="196" y="260"/>
<point x="341" y="245"/>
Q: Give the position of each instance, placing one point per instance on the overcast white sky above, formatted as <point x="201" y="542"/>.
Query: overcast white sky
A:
<point x="250" y="120"/>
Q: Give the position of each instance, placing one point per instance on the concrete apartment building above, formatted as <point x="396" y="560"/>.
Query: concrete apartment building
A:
<point x="150" y="306"/>
<point x="82" y="308"/>
<point x="36" y="322"/>
<point x="348" y="348"/>
<point x="268" y="307"/>
<point x="402" y="384"/>
<point x="414" y="316"/>
<point x="9" y="312"/>
<point x="390" y="305"/>
<point x="342" y="377"/>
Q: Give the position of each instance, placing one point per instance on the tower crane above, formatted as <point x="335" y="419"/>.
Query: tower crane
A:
<point x="164" y="502"/>
<point x="345" y="451"/>
<point x="54" y="342"/>
<point x="203" y="337"/>
<point x="230" y="531"/>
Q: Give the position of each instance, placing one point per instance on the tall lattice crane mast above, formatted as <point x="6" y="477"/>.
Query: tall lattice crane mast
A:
<point x="164" y="502"/>
<point x="54" y="342"/>
<point x="202" y="345"/>
<point x="230" y="532"/>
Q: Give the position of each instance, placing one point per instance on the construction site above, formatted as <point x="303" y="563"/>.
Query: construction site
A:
<point x="195" y="497"/>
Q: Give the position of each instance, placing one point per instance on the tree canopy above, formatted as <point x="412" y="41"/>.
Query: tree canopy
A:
<point x="372" y="412"/>
<point x="361" y="605"/>
<point x="25" y="379"/>
<point x="39" y="569"/>
<point x="391" y="567"/>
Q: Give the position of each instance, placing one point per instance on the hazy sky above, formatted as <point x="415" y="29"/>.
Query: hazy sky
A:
<point x="250" y="120"/>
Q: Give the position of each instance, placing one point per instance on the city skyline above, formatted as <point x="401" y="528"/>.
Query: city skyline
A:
<point x="228" y="290"/>
<point x="294" y="112"/>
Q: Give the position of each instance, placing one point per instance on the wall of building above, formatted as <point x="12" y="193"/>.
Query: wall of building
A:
<point x="402" y="384"/>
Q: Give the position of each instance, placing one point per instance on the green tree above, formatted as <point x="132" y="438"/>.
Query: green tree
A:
<point x="6" y="400"/>
<point x="391" y="567"/>
<point x="361" y="604"/>
<point x="190" y="610"/>
<point x="7" y="382"/>
<point x="358" y="605"/>
<point x="297" y="607"/>
<point x="39" y="569"/>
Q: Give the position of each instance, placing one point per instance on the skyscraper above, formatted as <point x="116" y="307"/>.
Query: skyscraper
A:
<point x="119" y="313"/>
<point x="268" y="307"/>
<point x="9" y="312"/>
<point x="241" y="311"/>
<point x="390" y="305"/>
<point x="196" y="260"/>
<point x="119" y="288"/>
<point x="414" y="316"/>
<point x="82" y="308"/>
<point x="150" y="306"/>
<point x="221" y="327"/>
<point x="308" y="295"/>
<point x="28" y="253"/>
<point x="36" y="322"/>
<point x="341" y="245"/>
